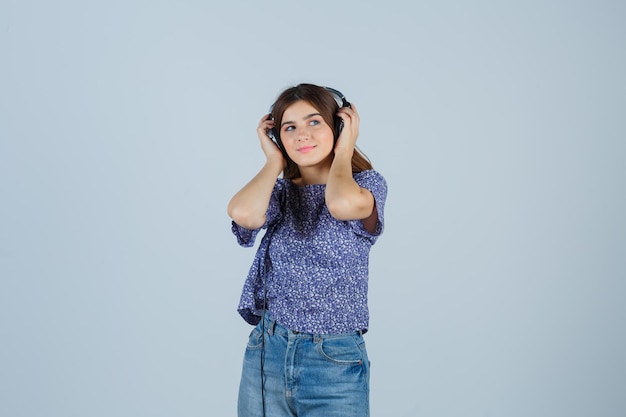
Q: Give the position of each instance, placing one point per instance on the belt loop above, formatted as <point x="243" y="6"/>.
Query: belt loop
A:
<point x="270" y="323"/>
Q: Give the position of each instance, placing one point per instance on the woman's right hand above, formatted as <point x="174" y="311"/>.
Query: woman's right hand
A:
<point x="270" y="149"/>
<point x="249" y="205"/>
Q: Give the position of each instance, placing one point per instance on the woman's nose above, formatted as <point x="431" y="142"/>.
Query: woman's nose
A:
<point x="303" y="134"/>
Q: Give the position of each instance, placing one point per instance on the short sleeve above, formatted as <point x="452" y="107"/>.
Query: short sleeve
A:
<point x="245" y="237"/>
<point x="374" y="182"/>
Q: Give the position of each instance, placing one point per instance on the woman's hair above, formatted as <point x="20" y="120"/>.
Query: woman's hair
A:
<point x="324" y="102"/>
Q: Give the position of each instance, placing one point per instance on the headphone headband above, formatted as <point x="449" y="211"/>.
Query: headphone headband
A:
<point x="339" y="97"/>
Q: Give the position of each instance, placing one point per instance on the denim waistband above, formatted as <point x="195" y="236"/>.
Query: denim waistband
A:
<point x="273" y="327"/>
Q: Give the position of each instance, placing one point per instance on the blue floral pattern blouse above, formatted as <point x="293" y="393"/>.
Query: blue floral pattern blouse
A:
<point x="314" y="267"/>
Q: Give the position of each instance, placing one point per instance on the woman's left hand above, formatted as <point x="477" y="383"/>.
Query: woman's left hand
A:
<point x="350" y="132"/>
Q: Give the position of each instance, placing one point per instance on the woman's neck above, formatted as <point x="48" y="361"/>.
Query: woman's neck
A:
<point x="312" y="175"/>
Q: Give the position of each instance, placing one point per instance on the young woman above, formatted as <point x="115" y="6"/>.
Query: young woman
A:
<point x="306" y="291"/>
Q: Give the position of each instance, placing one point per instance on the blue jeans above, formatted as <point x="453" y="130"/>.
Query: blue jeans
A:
<point x="305" y="375"/>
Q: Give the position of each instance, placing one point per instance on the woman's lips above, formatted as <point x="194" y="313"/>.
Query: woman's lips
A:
<point x="306" y="149"/>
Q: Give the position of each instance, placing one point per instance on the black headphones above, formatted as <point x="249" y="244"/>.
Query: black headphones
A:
<point x="341" y="101"/>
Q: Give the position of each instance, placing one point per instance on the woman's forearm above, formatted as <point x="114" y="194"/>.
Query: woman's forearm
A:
<point x="345" y="199"/>
<point x="248" y="207"/>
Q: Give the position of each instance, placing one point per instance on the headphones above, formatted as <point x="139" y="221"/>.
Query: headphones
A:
<point x="341" y="102"/>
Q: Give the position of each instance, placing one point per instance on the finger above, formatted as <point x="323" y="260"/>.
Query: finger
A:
<point x="347" y="112"/>
<point x="267" y="117"/>
<point x="266" y="124"/>
<point x="349" y="119"/>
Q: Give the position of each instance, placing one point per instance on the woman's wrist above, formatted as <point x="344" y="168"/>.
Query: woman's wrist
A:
<point x="275" y="165"/>
<point x="344" y="153"/>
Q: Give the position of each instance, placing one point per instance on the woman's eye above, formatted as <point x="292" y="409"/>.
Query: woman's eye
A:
<point x="289" y="128"/>
<point x="315" y="122"/>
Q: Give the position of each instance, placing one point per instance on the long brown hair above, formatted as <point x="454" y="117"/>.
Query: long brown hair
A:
<point x="324" y="102"/>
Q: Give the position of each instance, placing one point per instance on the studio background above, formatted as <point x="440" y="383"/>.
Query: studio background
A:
<point x="126" y="126"/>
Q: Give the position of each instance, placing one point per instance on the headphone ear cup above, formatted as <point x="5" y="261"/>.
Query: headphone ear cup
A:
<point x="338" y="126"/>
<point x="342" y="102"/>
<point x="273" y="134"/>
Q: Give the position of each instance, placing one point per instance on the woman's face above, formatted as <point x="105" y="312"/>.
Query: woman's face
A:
<point x="307" y="138"/>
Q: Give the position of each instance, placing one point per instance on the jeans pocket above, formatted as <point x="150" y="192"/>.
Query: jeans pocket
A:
<point x="341" y="350"/>
<point x="255" y="340"/>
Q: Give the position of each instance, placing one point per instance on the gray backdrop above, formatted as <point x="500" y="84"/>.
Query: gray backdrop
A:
<point x="125" y="126"/>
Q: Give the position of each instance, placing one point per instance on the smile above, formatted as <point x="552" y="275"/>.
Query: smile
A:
<point x="306" y="149"/>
